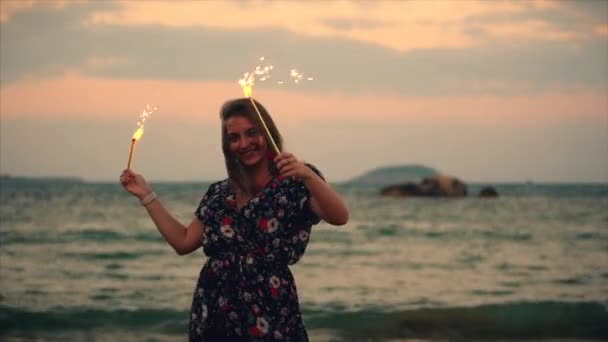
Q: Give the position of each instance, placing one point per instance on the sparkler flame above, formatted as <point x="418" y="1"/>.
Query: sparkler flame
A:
<point x="138" y="133"/>
<point x="142" y="119"/>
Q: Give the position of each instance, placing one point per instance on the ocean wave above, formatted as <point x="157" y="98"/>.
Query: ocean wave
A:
<point x="98" y="236"/>
<point x="526" y="320"/>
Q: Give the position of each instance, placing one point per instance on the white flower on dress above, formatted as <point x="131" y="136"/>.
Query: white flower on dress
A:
<point x="233" y="316"/>
<point x="227" y="231"/>
<point x="247" y="296"/>
<point x="277" y="335"/>
<point x="205" y="312"/>
<point x="303" y="235"/>
<point x="262" y="325"/>
<point x="276" y="242"/>
<point x="274" y="281"/>
<point x="256" y="309"/>
<point x="280" y="213"/>
<point x="273" y="225"/>
<point x="249" y="260"/>
<point x="283" y="200"/>
<point x="202" y="210"/>
<point x="216" y="265"/>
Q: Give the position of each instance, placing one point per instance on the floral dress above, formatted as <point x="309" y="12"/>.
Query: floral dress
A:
<point x="245" y="290"/>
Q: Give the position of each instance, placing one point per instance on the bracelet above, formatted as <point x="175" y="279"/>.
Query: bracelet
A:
<point x="148" y="199"/>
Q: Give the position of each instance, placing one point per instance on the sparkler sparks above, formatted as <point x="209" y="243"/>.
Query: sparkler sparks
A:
<point x="297" y="76"/>
<point x="142" y="119"/>
<point x="263" y="72"/>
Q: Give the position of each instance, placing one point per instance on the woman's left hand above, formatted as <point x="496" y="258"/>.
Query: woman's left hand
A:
<point x="288" y="165"/>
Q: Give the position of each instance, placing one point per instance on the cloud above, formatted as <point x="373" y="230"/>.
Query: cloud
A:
<point x="44" y="42"/>
<point x="350" y="24"/>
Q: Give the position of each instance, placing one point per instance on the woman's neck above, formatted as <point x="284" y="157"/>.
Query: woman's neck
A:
<point x="259" y="176"/>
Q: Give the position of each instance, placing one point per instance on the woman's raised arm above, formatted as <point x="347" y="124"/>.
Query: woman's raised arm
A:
<point x="183" y="239"/>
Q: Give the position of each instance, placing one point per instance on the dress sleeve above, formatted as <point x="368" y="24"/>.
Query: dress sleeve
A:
<point x="306" y="217"/>
<point x="204" y="211"/>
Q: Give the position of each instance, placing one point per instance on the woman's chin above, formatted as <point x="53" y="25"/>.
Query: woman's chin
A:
<point x="252" y="162"/>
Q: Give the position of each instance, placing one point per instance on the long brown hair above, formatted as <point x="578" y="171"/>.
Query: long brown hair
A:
<point x="243" y="107"/>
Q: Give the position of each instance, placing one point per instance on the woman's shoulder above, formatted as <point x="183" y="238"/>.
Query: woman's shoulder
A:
<point x="217" y="186"/>
<point x="315" y="169"/>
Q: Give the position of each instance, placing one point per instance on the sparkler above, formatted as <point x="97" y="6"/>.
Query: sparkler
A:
<point x="139" y="132"/>
<point x="263" y="72"/>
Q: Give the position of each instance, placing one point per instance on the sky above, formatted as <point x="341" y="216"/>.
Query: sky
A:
<point x="487" y="91"/>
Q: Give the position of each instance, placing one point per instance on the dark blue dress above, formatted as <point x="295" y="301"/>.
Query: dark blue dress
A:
<point x="245" y="290"/>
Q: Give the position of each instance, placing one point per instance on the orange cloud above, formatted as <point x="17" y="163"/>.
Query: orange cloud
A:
<point x="10" y="7"/>
<point x="400" y="25"/>
<point x="75" y="95"/>
<point x="602" y="30"/>
<point x="530" y="29"/>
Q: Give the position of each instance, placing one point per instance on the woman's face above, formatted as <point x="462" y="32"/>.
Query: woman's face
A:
<point x="246" y="141"/>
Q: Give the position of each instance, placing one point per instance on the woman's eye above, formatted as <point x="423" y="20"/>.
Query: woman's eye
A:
<point x="233" y="138"/>
<point x="252" y="133"/>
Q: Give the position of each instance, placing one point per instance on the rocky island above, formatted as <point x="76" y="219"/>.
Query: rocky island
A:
<point x="416" y="181"/>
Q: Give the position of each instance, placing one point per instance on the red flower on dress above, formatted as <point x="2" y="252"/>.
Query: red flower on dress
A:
<point x="254" y="331"/>
<point x="226" y="221"/>
<point x="263" y="224"/>
<point x="274" y="292"/>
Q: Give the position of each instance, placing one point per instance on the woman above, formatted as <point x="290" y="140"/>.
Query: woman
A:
<point x="251" y="226"/>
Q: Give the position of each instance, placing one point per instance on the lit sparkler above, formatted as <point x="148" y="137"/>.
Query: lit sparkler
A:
<point x="140" y="131"/>
<point x="263" y="72"/>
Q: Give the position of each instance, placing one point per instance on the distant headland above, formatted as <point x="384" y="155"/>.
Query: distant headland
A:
<point x="6" y="178"/>
<point x="394" y="174"/>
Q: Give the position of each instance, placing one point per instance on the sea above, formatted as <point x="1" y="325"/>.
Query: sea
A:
<point x="82" y="261"/>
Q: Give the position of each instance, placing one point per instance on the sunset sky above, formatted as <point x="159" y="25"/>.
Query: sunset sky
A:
<point x="488" y="91"/>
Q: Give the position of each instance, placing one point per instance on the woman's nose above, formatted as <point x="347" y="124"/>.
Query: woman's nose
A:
<point x="243" y="142"/>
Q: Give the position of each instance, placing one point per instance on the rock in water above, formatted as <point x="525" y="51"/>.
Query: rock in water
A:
<point x="436" y="186"/>
<point x="488" y="191"/>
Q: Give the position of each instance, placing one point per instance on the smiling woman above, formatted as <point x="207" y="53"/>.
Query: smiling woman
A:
<point x="252" y="226"/>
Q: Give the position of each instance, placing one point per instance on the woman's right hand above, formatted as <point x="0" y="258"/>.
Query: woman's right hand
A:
<point x="134" y="183"/>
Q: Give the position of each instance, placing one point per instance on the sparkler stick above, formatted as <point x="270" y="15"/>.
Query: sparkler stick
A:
<point x="274" y="145"/>
<point x="247" y="83"/>
<point x="139" y="132"/>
